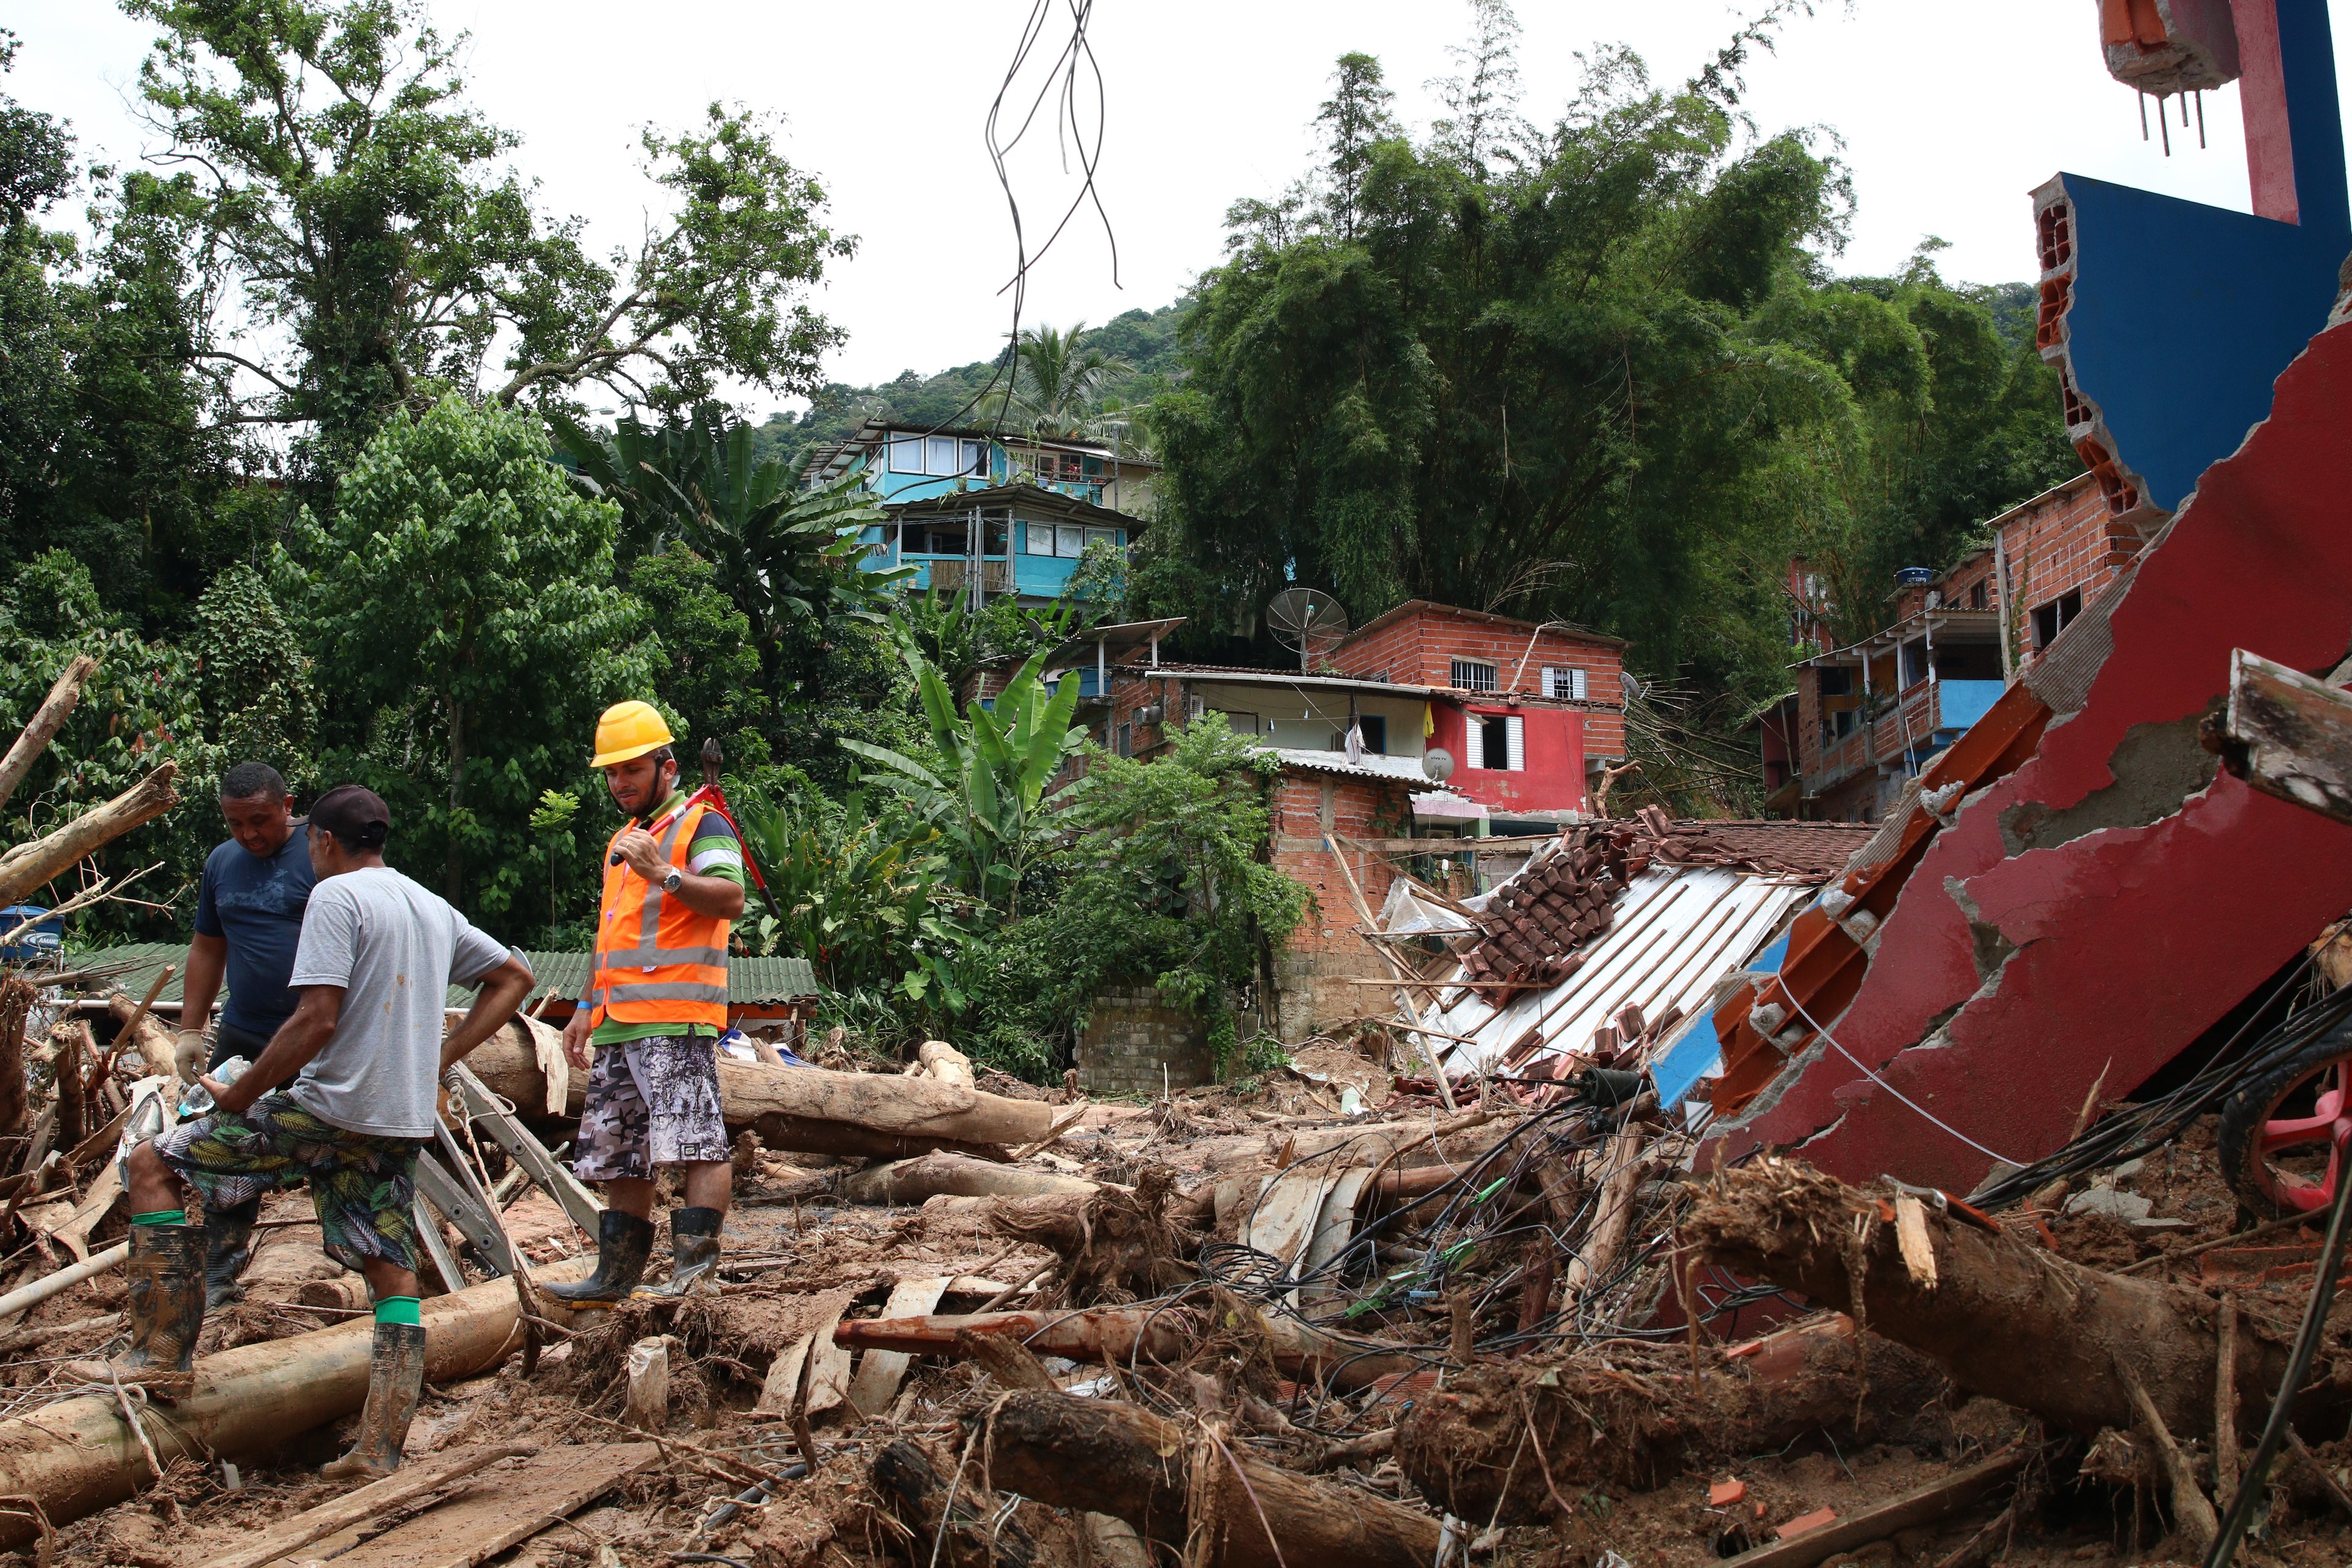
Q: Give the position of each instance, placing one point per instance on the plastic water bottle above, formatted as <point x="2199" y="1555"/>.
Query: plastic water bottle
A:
<point x="198" y="1100"/>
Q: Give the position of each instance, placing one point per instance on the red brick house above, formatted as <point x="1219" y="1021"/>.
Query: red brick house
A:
<point x="1866" y="717"/>
<point x="1526" y="714"/>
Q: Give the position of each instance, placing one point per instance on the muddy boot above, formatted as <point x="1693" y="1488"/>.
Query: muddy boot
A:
<point x="693" y="1256"/>
<point x="165" y="1312"/>
<point x="623" y="1243"/>
<point x="228" y="1237"/>
<point x="395" y="1383"/>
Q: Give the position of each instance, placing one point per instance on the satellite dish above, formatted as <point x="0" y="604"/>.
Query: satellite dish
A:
<point x="1302" y="617"/>
<point x="1438" y="764"/>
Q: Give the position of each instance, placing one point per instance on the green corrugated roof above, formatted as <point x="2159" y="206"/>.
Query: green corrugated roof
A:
<point x="750" y="982"/>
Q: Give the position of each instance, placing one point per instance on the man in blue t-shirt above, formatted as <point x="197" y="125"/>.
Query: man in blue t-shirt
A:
<point x="248" y="920"/>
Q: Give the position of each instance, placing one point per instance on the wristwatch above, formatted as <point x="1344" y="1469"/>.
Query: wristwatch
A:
<point x="674" y="881"/>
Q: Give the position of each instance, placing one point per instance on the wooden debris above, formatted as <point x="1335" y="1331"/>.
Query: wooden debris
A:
<point x="1103" y="1456"/>
<point x="956" y="1176"/>
<point x="879" y="1372"/>
<point x="2190" y="1508"/>
<point x="506" y="1509"/>
<point x="27" y="866"/>
<point x="947" y="1513"/>
<point x="411" y="1481"/>
<point x="42" y="727"/>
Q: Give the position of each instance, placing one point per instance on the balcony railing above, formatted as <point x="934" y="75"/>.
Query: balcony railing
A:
<point x="995" y="576"/>
<point x="1930" y="716"/>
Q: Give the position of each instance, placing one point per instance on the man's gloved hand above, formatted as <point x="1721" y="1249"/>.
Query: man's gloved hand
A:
<point x="190" y="1054"/>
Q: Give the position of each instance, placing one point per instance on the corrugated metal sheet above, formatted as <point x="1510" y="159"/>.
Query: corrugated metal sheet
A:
<point x="750" y="982"/>
<point x="1677" y="930"/>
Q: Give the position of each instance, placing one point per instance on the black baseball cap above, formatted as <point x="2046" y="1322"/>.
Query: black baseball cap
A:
<point x="355" y="815"/>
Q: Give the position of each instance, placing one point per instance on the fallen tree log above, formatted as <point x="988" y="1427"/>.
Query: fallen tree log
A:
<point x="1635" y="1418"/>
<point x="2002" y="1317"/>
<point x="957" y="1175"/>
<point x="27" y="866"/>
<point x="958" y="1519"/>
<point x="1102" y="1456"/>
<point x="77" y="1456"/>
<point x="1117" y="1244"/>
<point x="1123" y="1334"/>
<point x="47" y="720"/>
<point x="809" y="1109"/>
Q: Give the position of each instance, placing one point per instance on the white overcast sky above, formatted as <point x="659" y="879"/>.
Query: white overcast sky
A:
<point x="1947" y="127"/>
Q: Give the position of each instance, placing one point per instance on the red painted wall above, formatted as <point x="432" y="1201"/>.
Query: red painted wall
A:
<point x="1553" y="779"/>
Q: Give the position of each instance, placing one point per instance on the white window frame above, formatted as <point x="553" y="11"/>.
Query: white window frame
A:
<point x="906" y="454"/>
<point x="1570" y="683"/>
<point x="975" y="460"/>
<point x="1470" y="667"/>
<point x="1039" y="539"/>
<point x="1103" y="536"/>
<point x="1069" y="541"/>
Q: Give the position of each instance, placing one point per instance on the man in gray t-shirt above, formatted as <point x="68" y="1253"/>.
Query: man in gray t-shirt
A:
<point x="364" y="1054"/>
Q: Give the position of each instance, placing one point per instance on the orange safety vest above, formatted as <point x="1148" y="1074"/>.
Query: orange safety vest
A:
<point x="656" y="960"/>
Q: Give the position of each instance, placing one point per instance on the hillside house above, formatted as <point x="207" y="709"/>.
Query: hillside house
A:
<point x="1526" y="715"/>
<point x="987" y="514"/>
<point x="1866" y="717"/>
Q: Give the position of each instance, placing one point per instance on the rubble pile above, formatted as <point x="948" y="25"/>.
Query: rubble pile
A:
<point x="1204" y="1329"/>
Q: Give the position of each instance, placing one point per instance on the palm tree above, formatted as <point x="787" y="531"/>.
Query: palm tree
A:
<point x="1055" y="381"/>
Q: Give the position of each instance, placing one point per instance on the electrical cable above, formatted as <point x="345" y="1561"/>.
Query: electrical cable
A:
<point x="2254" y="1483"/>
<point x="1890" y="1089"/>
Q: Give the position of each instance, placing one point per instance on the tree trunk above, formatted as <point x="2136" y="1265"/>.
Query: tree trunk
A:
<point x="1102" y="1456"/>
<point x="77" y="1455"/>
<point x="47" y="719"/>
<point x="2000" y="1315"/>
<point x="15" y="1001"/>
<point x="29" y="866"/>
<point x="453" y="874"/>
<point x="952" y="1512"/>
<point x="912" y="1180"/>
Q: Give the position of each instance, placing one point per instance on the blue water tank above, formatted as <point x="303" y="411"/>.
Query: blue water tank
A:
<point x="37" y="945"/>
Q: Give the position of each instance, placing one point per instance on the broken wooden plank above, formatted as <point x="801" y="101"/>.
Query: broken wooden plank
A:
<point x="825" y="1389"/>
<point x="956" y="1176"/>
<point x="880" y="1372"/>
<point x="505" y="1511"/>
<point x="378" y="1497"/>
<point x="2289" y="735"/>
<point x="1928" y="1504"/>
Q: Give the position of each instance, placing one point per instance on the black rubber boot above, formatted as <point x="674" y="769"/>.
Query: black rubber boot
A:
<point x="165" y="1312"/>
<point x="624" y="1242"/>
<point x="228" y="1238"/>
<point x="693" y="1255"/>
<point x="395" y="1383"/>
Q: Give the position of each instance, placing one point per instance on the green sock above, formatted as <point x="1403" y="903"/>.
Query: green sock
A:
<point x="400" y="1310"/>
<point x="162" y="1216"/>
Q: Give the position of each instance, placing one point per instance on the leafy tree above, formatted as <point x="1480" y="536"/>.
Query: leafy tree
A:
<point x="462" y="605"/>
<point x="1482" y="103"/>
<point x="708" y="671"/>
<point x="863" y="895"/>
<point x="1060" y="376"/>
<point x="987" y="798"/>
<point x="1601" y="379"/>
<point x="790" y="559"/>
<point x="357" y="205"/>
<point x="138" y="710"/>
<point x="258" y="701"/>
<point x="1165" y="881"/>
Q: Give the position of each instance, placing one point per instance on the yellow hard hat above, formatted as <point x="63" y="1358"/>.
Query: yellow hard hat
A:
<point x="628" y="730"/>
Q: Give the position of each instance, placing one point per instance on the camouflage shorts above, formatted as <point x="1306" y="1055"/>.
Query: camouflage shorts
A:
<point x="362" y="1186"/>
<point x="650" y="1102"/>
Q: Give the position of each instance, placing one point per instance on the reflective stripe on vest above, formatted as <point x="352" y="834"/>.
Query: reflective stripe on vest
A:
<point x="643" y="974"/>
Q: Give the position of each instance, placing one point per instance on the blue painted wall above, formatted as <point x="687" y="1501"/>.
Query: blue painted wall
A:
<point x="2182" y="314"/>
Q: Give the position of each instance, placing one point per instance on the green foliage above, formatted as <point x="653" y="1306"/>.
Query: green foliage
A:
<point x="940" y="627"/>
<point x="708" y="671"/>
<point x="256" y="682"/>
<point x="359" y="208"/>
<point x="987" y="798"/>
<point x="463" y="599"/>
<point x="790" y="559"/>
<point x="1059" y="375"/>
<point x="1165" y="881"/>
<point x="1595" y="373"/>
<point x="862" y="896"/>
<point x="138" y="710"/>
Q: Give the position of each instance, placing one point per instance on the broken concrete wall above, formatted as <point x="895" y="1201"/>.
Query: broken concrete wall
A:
<point x="2112" y="898"/>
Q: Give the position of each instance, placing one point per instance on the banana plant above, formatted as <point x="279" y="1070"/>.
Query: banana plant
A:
<point x="988" y="800"/>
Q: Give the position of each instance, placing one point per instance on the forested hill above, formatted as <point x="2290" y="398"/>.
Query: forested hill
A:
<point x="1143" y="342"/>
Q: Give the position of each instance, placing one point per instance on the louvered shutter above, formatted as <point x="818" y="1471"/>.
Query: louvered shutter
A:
<point x="1473" y="742"/>
<point x="1515" y="737"/>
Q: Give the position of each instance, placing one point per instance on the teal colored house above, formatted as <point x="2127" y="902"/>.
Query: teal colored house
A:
<point x="992" y="514"/>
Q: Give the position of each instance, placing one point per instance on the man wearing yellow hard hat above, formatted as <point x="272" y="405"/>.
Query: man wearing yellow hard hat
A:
<point x="654" y="1008"/>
